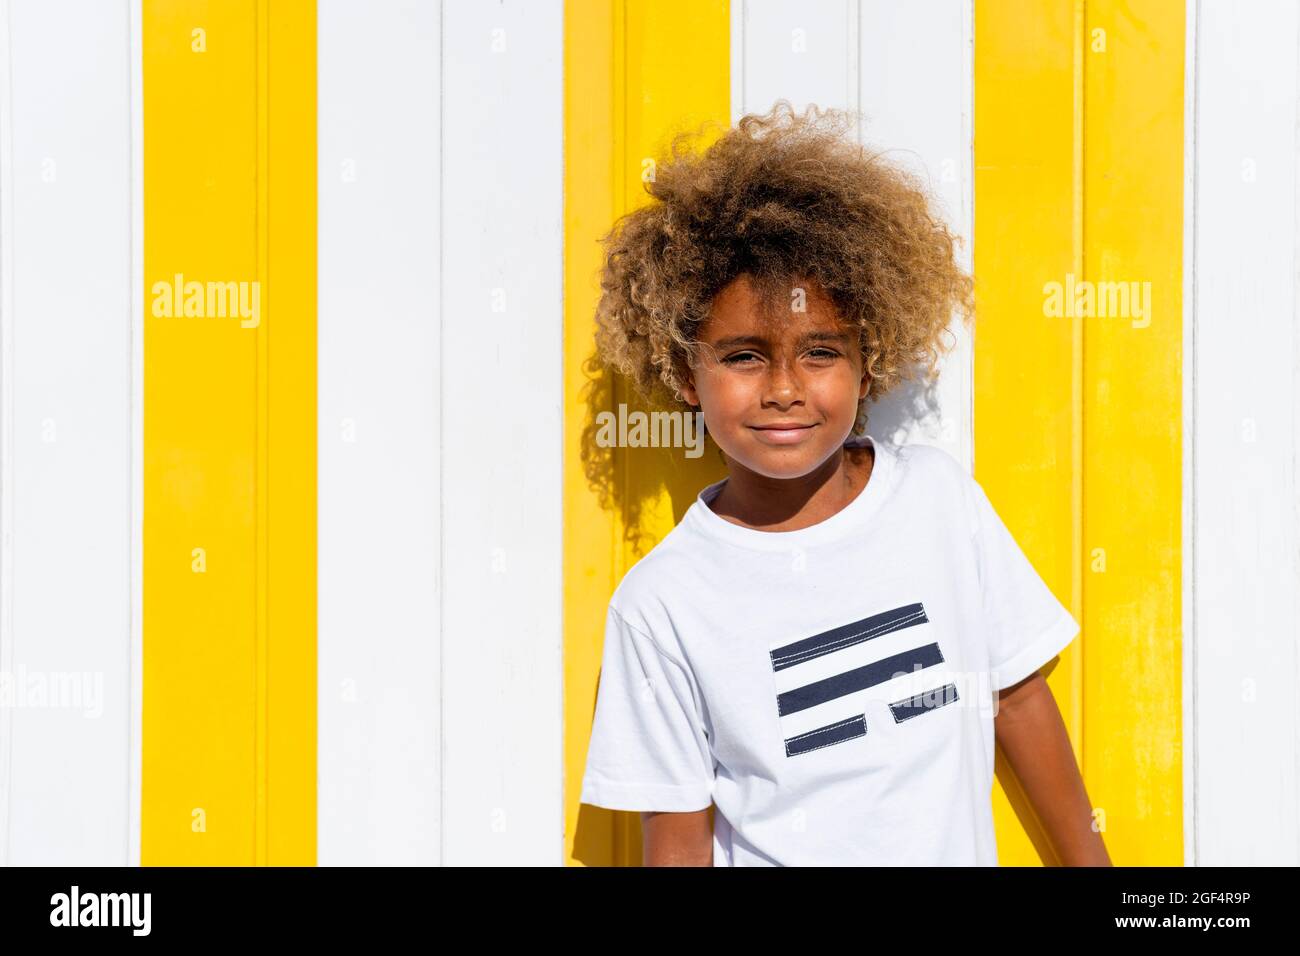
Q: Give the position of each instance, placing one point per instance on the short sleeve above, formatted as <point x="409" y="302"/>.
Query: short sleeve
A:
<point x="1027" y="624"/>
<point x="648" y="750"/>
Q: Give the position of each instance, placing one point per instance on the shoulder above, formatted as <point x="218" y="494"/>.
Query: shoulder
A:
<point x="938" y="477"/>
<point x="651" y="578"/>
<point x="929" y="463"/>
<point x="649" y="590"/>
<point x="929" y="458"/>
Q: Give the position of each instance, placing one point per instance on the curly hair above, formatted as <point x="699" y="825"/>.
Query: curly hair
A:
<point x="784" y="199"/>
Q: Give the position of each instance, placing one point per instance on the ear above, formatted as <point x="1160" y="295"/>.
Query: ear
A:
<point x="688" y="392"/>
<point x="864" y="386"/>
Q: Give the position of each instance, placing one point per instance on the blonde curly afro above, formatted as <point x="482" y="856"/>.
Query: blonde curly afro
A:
<point x="786" y="199"/>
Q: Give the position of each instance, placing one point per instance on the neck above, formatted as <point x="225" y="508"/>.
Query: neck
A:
<point x="754" y="500"/>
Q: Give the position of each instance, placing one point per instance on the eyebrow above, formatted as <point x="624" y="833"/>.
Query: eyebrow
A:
<point x="821" y="336"/>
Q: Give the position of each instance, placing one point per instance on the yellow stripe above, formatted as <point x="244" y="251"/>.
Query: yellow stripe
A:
<point x="1132" y="465"/>
<point x="635" y="72"/>
<point x="290" y="705"/>
<point x="262" y="40"/>
<point x="1078" y="436"/>
<point x="588" y="530"/>
<point x="229" y="733"/>
<point x="1025" y="364"/>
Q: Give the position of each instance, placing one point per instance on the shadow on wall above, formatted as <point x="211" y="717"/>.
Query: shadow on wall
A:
<point x="626" y="480"/>
<point x="629" y="483"/>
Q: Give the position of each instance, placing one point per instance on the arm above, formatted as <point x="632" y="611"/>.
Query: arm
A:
<point x="677" y="839"/>
<point x="1029" y="729"/>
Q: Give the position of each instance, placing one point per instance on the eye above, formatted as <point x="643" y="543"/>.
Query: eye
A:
<point x="824" y="353"/>
<point x="739" y="358"/>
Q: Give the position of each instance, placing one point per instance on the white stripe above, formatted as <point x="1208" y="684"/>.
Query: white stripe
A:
<point x="503" y="432"/>
<point x="443" y="516"/>
<point x="1246" y="411"/>
<point x="378" y="474"/>
<point x="68" y="441"/>
<point x="136" y="770"/>
<point x="6" y="421"/>
<point x="1188" y="510"/>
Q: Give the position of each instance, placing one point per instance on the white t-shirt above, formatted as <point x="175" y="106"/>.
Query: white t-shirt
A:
<point x="830" y="689"/>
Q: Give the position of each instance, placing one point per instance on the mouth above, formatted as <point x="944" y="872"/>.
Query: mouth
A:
<point x="783" y="433"/>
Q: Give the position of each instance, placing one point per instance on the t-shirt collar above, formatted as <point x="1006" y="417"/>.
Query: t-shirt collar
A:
<point x="845" y="521"/>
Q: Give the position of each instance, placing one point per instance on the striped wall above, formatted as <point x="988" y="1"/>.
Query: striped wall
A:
<point x="324" y="584"/>
<point x="307" y="658"/>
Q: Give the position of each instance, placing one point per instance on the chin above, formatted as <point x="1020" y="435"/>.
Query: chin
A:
<point x="791" y="462"/>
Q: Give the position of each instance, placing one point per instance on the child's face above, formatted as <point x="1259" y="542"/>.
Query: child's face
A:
<point x="800" y="368"/>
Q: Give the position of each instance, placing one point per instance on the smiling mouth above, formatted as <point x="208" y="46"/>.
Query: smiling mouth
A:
<point x="783" y="433"/>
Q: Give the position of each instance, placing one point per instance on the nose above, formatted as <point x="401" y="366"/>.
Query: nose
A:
<point x="783" y="386"/>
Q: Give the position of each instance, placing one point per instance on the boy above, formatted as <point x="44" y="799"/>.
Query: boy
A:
<point x="812" y="667"/>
